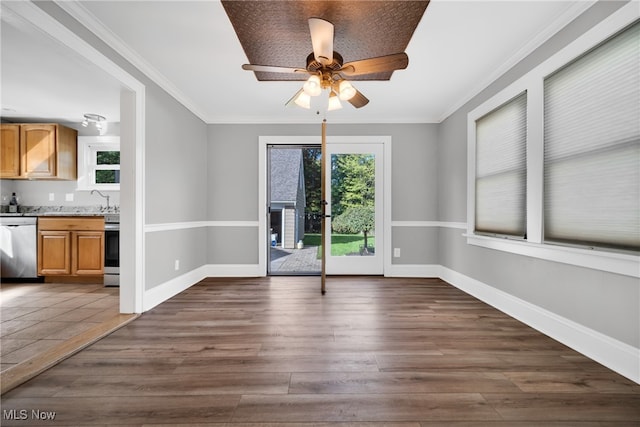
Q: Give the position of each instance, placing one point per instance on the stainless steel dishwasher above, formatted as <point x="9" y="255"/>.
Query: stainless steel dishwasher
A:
<point x="18" y="247"/>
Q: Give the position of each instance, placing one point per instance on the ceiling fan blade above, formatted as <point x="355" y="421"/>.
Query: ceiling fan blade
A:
<point x="272" y="69"/>
<point x="322" y="40"/>
<point x="291" y="102"/>
<point x="381" y="64"/>
<point x="359" y="100"/>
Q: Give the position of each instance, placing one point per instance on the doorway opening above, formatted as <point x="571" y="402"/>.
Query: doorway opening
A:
<point x="294" y="209"/>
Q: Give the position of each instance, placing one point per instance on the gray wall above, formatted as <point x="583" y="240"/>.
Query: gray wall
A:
<point x="233" y="184"/>
<point x="606" y="302"/>
<point x="175" y="187"/>
<point x="175" y="167"/>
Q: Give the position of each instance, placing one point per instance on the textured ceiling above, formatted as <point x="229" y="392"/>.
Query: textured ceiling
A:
<point x="277" y="32"/>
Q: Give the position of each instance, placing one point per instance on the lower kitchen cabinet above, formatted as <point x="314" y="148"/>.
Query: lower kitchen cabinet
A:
<point x="71" y="246"/>
<point x="88" y="257"/>
<point x="54" y="253"/>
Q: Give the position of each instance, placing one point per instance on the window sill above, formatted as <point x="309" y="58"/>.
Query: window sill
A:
<point x="627" y="265"/>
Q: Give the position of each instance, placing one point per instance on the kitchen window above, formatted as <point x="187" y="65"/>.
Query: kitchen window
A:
<point x="99" y="163"/>
<point x="582" y="154"/>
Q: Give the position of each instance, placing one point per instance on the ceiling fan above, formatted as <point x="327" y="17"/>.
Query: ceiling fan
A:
<point x="328" y="71"/>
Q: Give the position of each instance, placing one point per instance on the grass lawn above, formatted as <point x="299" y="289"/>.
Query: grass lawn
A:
<point x="341" y="244"/>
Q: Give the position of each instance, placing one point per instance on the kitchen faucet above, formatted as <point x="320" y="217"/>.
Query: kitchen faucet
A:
<point x="106" y="197"/>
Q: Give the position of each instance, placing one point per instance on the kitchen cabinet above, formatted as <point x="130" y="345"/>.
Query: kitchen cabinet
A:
<point x="38" y="151"/>
<point x="9" y="151"/>
<point x="71" y="246"/>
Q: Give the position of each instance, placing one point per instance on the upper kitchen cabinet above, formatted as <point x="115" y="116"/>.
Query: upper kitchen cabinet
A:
<point x="10" y="151"/>
<point x="44" y="151"/>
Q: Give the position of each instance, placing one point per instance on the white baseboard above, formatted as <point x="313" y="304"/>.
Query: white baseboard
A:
<point x="616" y="355"/>
<point x="412" y="270"/>
<point x="235" y="270"/>
<point x="173" y="287"/>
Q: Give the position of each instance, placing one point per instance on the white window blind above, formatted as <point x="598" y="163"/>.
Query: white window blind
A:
<point x="501" y="169"/>
<point x="592" y="147"/>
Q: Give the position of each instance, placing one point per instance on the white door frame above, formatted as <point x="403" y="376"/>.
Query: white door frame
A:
<point x="264" y="141"/>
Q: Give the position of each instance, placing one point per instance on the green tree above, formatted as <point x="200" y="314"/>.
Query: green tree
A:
<point x="352" y="181"/>
<point x="311" y="157"/>
<point x="356" y="219"/>
<point x="107" y="176"/>
<point x="108" y="157"/>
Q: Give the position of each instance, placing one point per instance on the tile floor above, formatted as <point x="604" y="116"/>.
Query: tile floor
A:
<point x="38" y="316"/>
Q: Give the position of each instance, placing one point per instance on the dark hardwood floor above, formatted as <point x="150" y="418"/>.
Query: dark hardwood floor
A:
<point x="371" y="352"/>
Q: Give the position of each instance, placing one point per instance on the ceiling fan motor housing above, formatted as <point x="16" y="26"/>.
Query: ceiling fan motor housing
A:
<point x="329" y="76"/>
<point x="314" y="66"/>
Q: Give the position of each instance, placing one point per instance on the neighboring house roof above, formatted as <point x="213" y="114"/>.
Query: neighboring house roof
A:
<point x="286" y="173"/>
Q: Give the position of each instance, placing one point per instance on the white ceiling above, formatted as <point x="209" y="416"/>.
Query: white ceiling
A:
<point x="190" y="49"/>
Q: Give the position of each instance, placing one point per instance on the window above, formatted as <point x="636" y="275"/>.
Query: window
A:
<point x="501" y="169"/>
<point x="567" y="174"/>
<point x="107" y="167"/>
<point x="98" y="163"/>
<point x="592" y="147"/>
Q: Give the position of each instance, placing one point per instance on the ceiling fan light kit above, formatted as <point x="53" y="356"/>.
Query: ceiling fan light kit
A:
<point x="301" y="99"/>
<point x="346" y="90"/>
<point x="334" y="102"/>
<point x="313" y="86"/>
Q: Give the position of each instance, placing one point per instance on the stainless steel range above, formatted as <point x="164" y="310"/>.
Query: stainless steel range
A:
<point x="112" y="250"/>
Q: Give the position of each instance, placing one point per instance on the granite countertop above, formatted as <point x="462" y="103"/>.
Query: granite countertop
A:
<point x="61" y="211"/>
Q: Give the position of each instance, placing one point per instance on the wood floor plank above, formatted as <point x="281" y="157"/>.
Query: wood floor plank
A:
<point x="306" y="363"/>
<point x="378" y="347"/>
<point x="368" y="407"/>
<point x="475" y="362"/>
<point x="117" y="366"/>
<point x="574" y="382"/>
<point x="235" y="383"/>
<point x="399" y="382"/>
<point x="545" y="407"/>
